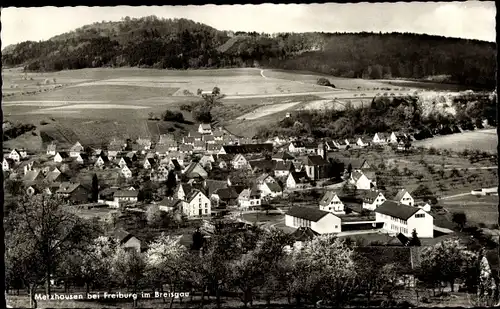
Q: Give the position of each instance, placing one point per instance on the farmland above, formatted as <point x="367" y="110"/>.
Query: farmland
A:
<point x="485" y="140"/>
<point x="479" y="209"/>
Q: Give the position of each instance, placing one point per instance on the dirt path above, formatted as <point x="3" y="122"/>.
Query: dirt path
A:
<point x="452" y="196"/>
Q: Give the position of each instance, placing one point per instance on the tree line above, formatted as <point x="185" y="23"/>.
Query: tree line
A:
<point x="45" y="241"/>
<point x="182" y="44"/>
<point x="388" y="114"/>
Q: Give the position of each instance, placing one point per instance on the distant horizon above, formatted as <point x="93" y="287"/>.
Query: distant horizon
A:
<point x="472" y="20"/>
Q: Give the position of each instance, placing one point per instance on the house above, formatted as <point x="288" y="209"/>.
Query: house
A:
<point x="15" y="155"/>
<point x="373" y="199"/>
<point x="213" y="148"/>
<point x="32" y="190"/>
<point x="195" y="170"/>
<point x="126" y="172"/>
<point x="425" y="206"/>
<point x="351" y="142"/>
<point x="218" y="135"/>
<point x="380" y="138"/>
<point x="204" y="128"/>
<point x="330" y="145"/>
<point x="301" y="235"/>
<point x="199" y="146"/>
<point x="144" y="142"/>
<point x="404" y="197"/>
<point x="169" y="204"/>
<point x="249" y="198"/>
<point x="165" y="139"/>
<point x="270" y="189"/>
<point x="296" y="147"/>
<point x="75" y="150"/>
<point x="207" y="159"/>
<point x="101" y="161"/>
<point x="185" y="148"/>
<point x="26" y="166"/>
<point x="51" y="149"/>
<point x="297" y="180"/>
<point x="240" y="162"/>
<point x="56" y="176"/>
<point x="316" y="167"/>
<point x="82" y="158"/>
<point x="196" y="135"/>
<point x="7" y="164"/>
<point x="282" y="157"/>
<point x="211" y="185"/>
<point x="227" y="196"/>
<point x="396" y="137"/>
<point x="182" y="191"/>
<point x="331" y="202"/>
<point x="361" y="181"/>
<point x="113" y="152"/>
<point x="246" y="149"/>
<point x="74" y="192"/>
<point x="400" y="218"/>
<point x="132" y="156"/>
<point x="361" y="143"/>
<point x="124" y="161"/>
<point x="196" y="204"/>
<point x="61" y="157"/>
<point x="209" y="139"/>
<point x="32" y="176"/>
<point x="282" y="169"/>
<point x="149" y="163"/>
<point x="341" y="144"/>
<point x="264" y="178"/>
<point x="262" y="165"/>
<point x="125" y="196"/>
<point x="322" y="222"/>
<point x="127" y="241"/>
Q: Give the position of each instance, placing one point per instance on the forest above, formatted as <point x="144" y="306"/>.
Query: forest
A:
<point x="184" y="44"/>
<point x="387" y="114"/>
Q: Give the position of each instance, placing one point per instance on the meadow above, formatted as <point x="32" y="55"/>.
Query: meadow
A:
<point x="478" y="209"/>
<point x="484" y="140"/>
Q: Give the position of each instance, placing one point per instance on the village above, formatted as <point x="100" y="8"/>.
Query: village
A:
<point x="213" y="175"/>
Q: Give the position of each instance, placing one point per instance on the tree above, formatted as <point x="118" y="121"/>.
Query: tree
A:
<point x="14" y="187"/>
<point x="460" y="219"/>
<point x="415" y="241"/>
<point x="171" y="183"/>
<point x="95" y="188"/>
<point x="445" y="262"/>
<point x="39" y="234"/>
<point x="153" y="215"/>
<point x="128" y="268"/>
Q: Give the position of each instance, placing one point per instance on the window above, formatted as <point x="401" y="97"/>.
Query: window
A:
<point x="206" y="205"/>
<point x="420" y="216"/>
<point x="336" y="226"/>
<point x="258" y="202"/>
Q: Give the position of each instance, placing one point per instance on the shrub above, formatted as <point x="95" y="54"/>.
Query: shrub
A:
<point x="172" y="116"/>
<point x="43" y="122"/>
<point x="324" y="82"/>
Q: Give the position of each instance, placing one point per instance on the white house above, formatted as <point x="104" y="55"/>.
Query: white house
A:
<point x="127" y="241"/>
<point x="322" y="222"/>
<point x="331" y="203"/>
<point x="296" y="146"/>
<point x="239" y="162"/>
<point x="403" y="197"/>
<point x="400" y="218"/>
<point x="396" y="137"/>
<point x="297" y="180"/>
<point x="249" y="198"/>
<point x="204" y="128"/>
<point x="196" y="204"/>
<point x="125" y="196"/>
<point x="15" y="155"/>
<point x="282" y="169"/>
<point x="61" y="157"/>
<point x="126" y="172"/>
<point x="379" y="138"/>
<point x="75" y="150"/>
<point x="361" y="143"/>
<point x="361" y="181"/>
<point x="7" y="164"/>
<point x="270" y="189"/>
<point x="373" y="199"/>
<point x="51" y="149"/>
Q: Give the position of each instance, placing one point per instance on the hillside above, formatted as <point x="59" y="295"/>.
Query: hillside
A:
<point x="185" y="44"/>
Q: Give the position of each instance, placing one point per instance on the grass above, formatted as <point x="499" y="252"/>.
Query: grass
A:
<point x="262" y="217"/>
<point x="482" y="209"/>
<point x="485" y="140"/>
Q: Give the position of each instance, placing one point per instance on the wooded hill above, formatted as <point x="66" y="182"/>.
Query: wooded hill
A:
<point x="183" y="44"/>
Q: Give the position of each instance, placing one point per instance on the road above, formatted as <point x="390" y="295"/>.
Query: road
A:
<point x="452" y="196"/>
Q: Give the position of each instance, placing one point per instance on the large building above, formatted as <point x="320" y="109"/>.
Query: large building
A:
<point x="322" y="222"/>
<point x="400" y="218"/>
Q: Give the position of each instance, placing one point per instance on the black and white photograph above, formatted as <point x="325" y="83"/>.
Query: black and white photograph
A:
<point x="327" y="155"/>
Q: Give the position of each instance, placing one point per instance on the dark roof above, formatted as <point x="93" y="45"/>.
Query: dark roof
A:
<point x="238" y="188"/>
<point x="225" y="157"/>
<point x="248" y="148"/>
<point x="68" y="187"/>
<point x="63" y="154"/>
<point x="205" y="126"/>
<point x="122" y="235"/>
<point x="305" y="144"/>
<point x="307" y="213"/>
<point x="300" y="176"/>
<point x="186" y="188"/>
<point x="400" y="195"/>
<point x="282" y="166"/>
<point x="396" y="210"/>
<point x="227" y="193"/>
<point x="369" y="196"/>
<point x="126" y="193"/>
<point x="169" y="202"/>
<point x="283" y="156"/>
<point x="327" y="198"/>
<point x="262" y="164"/>
<point x="274" y="187"/>
<point x="316" y="160"/>
<point x="303" y="234"/>
<point x="212" y="185"/>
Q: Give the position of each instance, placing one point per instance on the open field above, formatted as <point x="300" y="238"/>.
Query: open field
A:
<point x="484" y="140"/>
<point x="267" y="110"/>
<point x="479" y="209"/>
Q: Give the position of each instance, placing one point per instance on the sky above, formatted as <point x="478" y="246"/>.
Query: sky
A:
<point x="470" y="19"/>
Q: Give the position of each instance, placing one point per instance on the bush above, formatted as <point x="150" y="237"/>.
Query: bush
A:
<point x="172" y="116"/>
<point x="325" y="82"/>
<point x="43" y="122"/>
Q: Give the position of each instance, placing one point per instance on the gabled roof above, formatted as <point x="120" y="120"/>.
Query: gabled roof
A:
<point x="193" y="194"/>
<point x="76" y="147"/>
<point x="299" y="177"/>
<point x="51" y="147"/>
<point x="218" y="133"/>
<point x="208" y="138"/>
<point x="191" y="168"/>
<point x="56" y="175"/>
<point x="31" y="176"/>
<point x="122" y="236"/>
<point x="304" y="144"/>
<point x="186" y="188"/>
<point x="371" y="195"/>
<point x="169" y="202"/>
<point x="130" y="155"/>
<point x="227" y="193"/>
<point x="327" y="198"/>
<point x="63" y="154"/>
<point x="316" y="161"/>
<point x="212" y="185"/>
<point x="188" y="139"/>
<point x="205" y="126"/>
<point x="248" y="148"/>
<point x="184" y="147"/>
<point x="199" y="144"/>
<point x="225" y="157"/>
<point x="307" y="213"/>
<point x="126" y="193"/>
<point x="303" y="234"/>
<point x="274" y="187"/>
<point x="263" y="164"/>
<point x="400" y="195"/>
<point x="282" y="166"/>
<point x="356" y="175"/>
<point x="213" y="147"/>
<point x="68" y="187"/>
<point x="151" y="161"/>
<point x="283" y="156"/>
<point x="126" y="159"/>
<point x="396" y="210"/>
